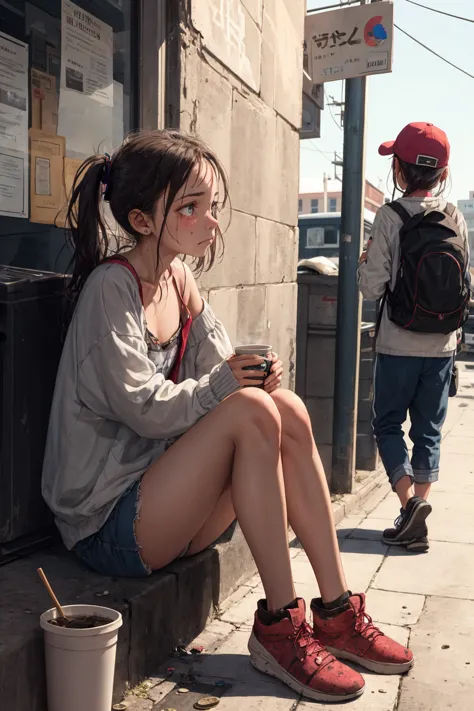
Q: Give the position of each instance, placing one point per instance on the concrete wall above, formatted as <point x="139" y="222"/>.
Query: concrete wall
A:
<point x="241" y="89"/>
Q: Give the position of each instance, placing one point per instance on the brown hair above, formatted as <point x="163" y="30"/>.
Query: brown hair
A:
<point x="147" y="165"/>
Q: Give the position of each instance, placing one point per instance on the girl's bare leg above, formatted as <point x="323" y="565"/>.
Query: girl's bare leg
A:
<point x="307" y="495"/>
<point x="422" y="490"/>
<point x="236" y="448"/>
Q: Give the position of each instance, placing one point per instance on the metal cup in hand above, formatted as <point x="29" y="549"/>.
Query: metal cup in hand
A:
<point x="263" y="351"/>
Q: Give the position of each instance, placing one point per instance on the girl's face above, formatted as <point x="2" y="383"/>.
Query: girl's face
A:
<point x="191" y="223"/>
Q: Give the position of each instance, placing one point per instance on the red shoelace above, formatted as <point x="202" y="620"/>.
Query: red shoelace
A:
<point x="364" y="625"/>
<point x="309" y="644"/>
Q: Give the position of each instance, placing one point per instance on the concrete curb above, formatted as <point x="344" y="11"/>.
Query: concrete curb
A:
<point x="170" y="608"/>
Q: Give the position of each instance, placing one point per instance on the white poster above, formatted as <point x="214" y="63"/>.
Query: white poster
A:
<point x="86" y="98"/>
<point x="13" y="127"/>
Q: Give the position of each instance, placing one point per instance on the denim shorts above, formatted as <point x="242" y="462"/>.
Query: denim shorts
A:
<point x="114" y="550"/>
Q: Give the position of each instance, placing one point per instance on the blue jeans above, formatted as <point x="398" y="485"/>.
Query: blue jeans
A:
<point x="420" y="387"/>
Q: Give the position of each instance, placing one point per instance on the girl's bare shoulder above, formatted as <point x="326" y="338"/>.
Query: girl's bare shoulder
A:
<point x="187" y="287"/>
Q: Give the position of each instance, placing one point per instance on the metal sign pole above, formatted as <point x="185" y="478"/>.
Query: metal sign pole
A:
<point x="348" y="300"/>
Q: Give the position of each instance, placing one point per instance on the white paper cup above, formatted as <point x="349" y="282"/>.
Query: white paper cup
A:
<point x="80" y="663"/>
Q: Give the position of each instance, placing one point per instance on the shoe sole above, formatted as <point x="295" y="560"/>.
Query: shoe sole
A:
<point x="419" y="516"/>
<point x="418" y="546"/>
<point x="377" y="667"/>
<point x="265" y="663"/>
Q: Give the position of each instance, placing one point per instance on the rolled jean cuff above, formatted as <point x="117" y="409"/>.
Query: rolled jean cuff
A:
<point x="398" y="473"/>
<point x="425" y="476"/>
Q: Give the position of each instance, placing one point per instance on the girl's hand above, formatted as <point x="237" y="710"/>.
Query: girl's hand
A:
<point x="237" y="363"/>
<point x="273" y="381"/>
<point x="363" y="258"/>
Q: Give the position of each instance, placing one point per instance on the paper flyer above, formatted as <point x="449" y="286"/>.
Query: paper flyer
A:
<point x="48" y="197"/>
<point x="13" y="127"/>
<point x="86" y="99"/>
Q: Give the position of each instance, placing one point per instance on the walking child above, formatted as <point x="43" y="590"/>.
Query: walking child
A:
<point x="418" y="265"/>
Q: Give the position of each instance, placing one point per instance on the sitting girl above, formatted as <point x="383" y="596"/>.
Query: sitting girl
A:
<point x="156" y="444"/>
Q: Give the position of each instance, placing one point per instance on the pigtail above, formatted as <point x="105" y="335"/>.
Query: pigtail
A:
<point x="87" y="230"/>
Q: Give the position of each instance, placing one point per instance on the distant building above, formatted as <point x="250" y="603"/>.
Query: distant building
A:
<point x="467" y="209"/>
<point x="310" y="203"/>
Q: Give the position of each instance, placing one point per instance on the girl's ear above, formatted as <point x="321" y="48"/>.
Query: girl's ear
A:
<point x="140" y="222"/>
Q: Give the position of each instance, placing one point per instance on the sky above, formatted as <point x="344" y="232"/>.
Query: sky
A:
<point x="421" y="87"/>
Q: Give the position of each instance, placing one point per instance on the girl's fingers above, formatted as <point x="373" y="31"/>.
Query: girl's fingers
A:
<point x="272" y="382"/>
<point x="277" y="365"/>
<point x="271" y="388"/>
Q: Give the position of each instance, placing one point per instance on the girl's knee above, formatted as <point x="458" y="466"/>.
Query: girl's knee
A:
<point x="254" y="408"/>
<point x="293" y="412"/>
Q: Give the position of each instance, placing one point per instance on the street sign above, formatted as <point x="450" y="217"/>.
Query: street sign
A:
<point x="349" y="42"/>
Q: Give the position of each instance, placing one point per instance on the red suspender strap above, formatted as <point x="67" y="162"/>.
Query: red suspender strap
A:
<point x="173" y="376"/>
<point x="123" y="261"/>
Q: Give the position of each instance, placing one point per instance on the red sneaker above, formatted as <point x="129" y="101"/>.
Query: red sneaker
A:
<point x="289" y="651"/>
<point x="351" y="635"/>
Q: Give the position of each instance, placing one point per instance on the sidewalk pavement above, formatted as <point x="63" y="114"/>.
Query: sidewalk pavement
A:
<point x="424" y="600"/>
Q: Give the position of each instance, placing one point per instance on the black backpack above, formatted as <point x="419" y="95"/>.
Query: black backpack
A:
<point x="432" y="289"/>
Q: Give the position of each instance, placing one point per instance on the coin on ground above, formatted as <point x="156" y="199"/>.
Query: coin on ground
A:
<point x="183" y="691"/>
<point x="208" y="702"/>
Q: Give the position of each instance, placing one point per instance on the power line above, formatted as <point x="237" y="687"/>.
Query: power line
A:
<point x="440" y="12"/>
<point x="330" y="111"/>
<point x="314" y="149"/>
<point x="435" y="53"/>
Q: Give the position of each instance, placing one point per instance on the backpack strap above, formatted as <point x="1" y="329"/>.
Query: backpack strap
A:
<point x="379" y="317"/>
<point x="402" y="213"/>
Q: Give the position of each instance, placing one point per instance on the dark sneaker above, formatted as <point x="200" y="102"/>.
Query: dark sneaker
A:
<point x="350" y="634"/>
<point x="289" y="651"/>
<point x="421" y="545"/>
<point x="410" y="527"/>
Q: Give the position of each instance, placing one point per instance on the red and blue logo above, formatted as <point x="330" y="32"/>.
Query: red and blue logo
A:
<point x="374" y="32"/>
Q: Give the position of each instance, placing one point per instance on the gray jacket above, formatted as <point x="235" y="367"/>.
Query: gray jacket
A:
<point x="383" y="258"/>
<point x="112" y="413"/>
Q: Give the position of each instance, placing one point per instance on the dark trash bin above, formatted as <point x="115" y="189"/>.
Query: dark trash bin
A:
<point x="315" y="367"/>
<point x="31" y="318"/>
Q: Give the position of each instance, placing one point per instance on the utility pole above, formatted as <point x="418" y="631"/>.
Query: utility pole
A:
<point x="348" y="299"/>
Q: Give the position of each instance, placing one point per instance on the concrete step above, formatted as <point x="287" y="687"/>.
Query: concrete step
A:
<point x="168" y="609"/>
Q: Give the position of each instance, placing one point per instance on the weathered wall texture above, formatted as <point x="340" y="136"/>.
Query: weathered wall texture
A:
<point x="241" y="84"/>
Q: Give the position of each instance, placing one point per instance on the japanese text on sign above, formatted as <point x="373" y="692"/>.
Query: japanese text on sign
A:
<point x="349" y="42"/>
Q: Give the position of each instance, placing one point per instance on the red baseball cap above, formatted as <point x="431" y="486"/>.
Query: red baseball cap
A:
<point x="420" y="144"/>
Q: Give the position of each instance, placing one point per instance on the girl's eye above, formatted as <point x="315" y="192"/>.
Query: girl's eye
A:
<point x="188" y="210"/>
<point x="214" y="209"/>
